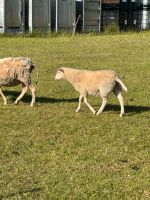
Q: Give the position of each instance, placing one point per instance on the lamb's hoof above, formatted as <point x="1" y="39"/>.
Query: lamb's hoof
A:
<point x="15" y="103"/>
<point x="77" y="110"/>
<point x="31" y="105"/>
<point x="97" y="113"/>
<point x="5" y="103"/>
<point x="94" y="112"/>
<point x="121" y="114"/>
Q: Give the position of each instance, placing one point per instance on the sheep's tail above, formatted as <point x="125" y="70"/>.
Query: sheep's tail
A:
<point x="121" y="83"/>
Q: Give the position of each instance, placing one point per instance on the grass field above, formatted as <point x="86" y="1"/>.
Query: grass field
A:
<point x="49" y="151"/>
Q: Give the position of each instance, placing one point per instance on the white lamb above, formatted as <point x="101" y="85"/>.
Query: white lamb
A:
<point x="101" y="82"/>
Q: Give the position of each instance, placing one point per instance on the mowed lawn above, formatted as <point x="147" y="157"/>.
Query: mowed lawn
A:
<point x="49" y="151"/>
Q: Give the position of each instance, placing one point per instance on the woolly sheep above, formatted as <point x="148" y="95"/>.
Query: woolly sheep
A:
<point x="101" y="82"/>
<point x="15" y="71"/>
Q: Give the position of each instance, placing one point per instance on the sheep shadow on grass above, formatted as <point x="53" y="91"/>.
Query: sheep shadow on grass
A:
<point x="39" y="99"/>
<point x="129" y="109"/>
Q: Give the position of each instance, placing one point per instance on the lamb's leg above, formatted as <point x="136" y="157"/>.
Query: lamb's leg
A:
<point x="4" y="98"/>
<point x="120" y="98"/>
<point x="90" y="107"/>
<point x="24" y="90"/>
<point x="117" y="92"/>
<point x="79" y="105"/>
<point x="32" y="88"/>
<point x="102" y="106"/>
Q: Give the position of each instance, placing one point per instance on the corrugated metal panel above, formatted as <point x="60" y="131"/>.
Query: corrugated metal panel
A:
<point x="39" y="15"/>
<point x="65" y="14"/>
<point x="11" y="15"/>
<point x="14" y="13"/>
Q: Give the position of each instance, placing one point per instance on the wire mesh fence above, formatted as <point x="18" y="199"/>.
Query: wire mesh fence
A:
<point x="126" y="14"/>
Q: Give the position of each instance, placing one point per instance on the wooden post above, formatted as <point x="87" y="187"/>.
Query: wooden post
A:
<point x="75" y="23"/>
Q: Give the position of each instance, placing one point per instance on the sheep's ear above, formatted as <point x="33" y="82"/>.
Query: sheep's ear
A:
<point x="61" y="70"/>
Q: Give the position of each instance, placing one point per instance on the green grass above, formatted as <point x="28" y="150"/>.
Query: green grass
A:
<point x="49" y="151"/>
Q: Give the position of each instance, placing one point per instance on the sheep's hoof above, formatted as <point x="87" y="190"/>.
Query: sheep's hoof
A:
<point x="16" y="102"/>
<point x="31" y="105"/>
<point x="77" y="110"/>
<point x="5" y="103"/>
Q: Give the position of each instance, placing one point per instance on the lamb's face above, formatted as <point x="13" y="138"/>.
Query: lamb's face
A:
<point x="60" y="74"/>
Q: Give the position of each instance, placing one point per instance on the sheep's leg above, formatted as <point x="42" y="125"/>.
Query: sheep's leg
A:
<point x="24" y="90"/>
<point x="32" y="88"/>
<point x="120" y="98"/>
<point x="90" y="107"/>
<point x="79" y="105"/>
<point x="102" y="106"/>
<point x="3" y="96"/>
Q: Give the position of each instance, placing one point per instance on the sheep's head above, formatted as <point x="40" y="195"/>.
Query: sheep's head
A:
<point x="59" y="74"/>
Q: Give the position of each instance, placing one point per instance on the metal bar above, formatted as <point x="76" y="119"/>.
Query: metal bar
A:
<point x="31" y="16"/>
<point x="56" y="23"/>
<point x="49" y="16"/>
<point x="100" y="6"/>
<point x="23" y="20"/>
<point x="4" y="28"/>
<point x="83" y="15"/>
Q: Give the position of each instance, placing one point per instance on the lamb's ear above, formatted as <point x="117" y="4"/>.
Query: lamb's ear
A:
<point x="61" y="70"/>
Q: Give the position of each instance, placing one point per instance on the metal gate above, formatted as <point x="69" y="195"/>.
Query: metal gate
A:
<point x="91" y="15"/>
